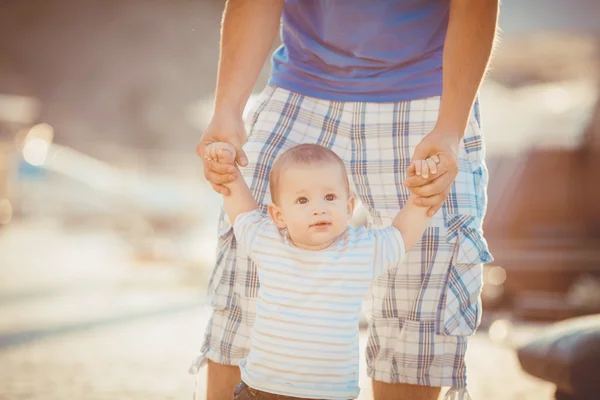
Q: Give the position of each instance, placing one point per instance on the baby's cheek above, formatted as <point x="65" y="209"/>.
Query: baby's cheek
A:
<point x="297" y="229"/>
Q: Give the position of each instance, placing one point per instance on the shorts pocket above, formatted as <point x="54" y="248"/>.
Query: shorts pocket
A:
<point x="460" y="305"/>
<point x="228" y="335"/>
<point x="403" y="350"/>
<point x="240" y="326"/>
<point x="466" y="233"/>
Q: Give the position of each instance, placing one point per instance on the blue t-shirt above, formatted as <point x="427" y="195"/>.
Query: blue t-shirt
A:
<point x="362" y="50"/>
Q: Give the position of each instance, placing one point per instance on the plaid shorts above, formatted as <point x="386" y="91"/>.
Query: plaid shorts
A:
<point x="423" y="311"/>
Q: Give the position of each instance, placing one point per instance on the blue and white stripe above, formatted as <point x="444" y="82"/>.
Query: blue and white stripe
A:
<point x="305" y="337"/>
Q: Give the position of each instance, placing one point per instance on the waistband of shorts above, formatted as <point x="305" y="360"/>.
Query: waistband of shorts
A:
<point x="274" y="90"/>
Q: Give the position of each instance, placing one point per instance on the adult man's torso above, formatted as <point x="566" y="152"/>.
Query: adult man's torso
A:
<point x="358" y="50"/>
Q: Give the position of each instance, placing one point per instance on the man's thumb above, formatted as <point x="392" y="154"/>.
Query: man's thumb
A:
<point x="200" y="148"/>
<point x="412" y="170"/>
<point x="240" y="157"/>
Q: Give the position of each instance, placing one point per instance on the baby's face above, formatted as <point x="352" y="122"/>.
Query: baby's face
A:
<point x="314" y="205"/>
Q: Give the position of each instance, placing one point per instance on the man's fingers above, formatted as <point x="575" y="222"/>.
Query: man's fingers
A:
<point x="241" y="157"/>
<point x="434" y="202"/>
<point x="219" y="179"/>
<point x="430" y="201"/>
<point x="416" y="181"/>
<point x="411" y="171"/>
<point x="433" y="210"/>
<point x="220" y="189"/>
<point x="221" y="168"/>
<point x="226" y="157"/>
<point x="432" y="188"/>
<point x="200" y="149"/>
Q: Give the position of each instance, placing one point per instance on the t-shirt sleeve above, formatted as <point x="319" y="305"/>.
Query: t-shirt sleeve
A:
<point x="247" y="227"/>
<point x="389" y="249"/>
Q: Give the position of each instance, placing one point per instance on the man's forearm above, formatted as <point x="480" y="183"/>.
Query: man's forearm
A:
<point x="467" y="51"/>
<point x="248" y="30"/>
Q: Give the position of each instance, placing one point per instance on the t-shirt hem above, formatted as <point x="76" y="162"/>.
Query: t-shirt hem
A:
<point x="256" y="385"/>
<point x="434" y="90"/>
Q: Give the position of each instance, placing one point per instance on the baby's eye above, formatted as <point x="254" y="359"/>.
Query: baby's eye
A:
<point x="330" y="197"/>
<point x="302" y="200"/>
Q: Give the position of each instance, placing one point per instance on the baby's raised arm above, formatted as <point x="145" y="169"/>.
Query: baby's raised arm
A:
<point x="240" y="199"/>
<point x="412" y="220"/>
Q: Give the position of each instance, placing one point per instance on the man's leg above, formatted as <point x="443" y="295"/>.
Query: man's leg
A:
<point x="221" y="381"/>
<point x="398" y="391"/>
<point x="399" y="343"/>
<point x="424" y="310"/>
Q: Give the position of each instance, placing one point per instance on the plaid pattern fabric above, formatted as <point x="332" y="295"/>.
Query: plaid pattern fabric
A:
<point x="423" y="311"/>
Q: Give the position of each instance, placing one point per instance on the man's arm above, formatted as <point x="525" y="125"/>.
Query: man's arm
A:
<point x="467" y="51"/>
<point x="468" y="48"/>
<point x="248" y="30"/>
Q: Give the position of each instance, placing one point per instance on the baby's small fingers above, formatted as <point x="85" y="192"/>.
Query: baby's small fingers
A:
<point x="417" y="164"/>
<point x="214" y="152"/>
<point x="225" y="156"/>
<point x="424" y="169"/>
<point x="432" y="166"/>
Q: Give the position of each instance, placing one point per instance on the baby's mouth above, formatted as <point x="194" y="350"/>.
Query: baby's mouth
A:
<point x="320" y="224"/>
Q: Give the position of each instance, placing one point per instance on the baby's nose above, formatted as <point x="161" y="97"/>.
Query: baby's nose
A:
<point x="319" y="211"/>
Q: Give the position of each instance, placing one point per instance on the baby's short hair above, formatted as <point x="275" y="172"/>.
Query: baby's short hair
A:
<point x="303" y="154"/>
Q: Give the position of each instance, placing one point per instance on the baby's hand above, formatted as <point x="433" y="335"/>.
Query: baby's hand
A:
<point x="425" y="167"/>
<point x="220" y="152"/>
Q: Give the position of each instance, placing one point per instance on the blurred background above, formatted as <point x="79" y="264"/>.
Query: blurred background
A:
<point x="107" y="227"/>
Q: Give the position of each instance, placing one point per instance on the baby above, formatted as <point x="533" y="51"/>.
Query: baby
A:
<point x="314" y="271"/>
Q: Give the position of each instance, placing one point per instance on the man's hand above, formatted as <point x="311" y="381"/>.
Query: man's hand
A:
<point x="229" y="128"/>
<point x="432" y="189"/>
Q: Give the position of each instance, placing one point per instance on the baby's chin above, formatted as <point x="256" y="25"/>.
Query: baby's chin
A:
<point x="318" y="240"/>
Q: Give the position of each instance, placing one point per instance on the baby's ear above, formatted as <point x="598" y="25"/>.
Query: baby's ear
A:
<point x="351" y="202"/>
<point x="276" y="216"/>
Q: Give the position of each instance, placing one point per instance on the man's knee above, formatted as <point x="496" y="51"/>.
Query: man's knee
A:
<point x="396" y="391"/>
<point x="221" y="381"/>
